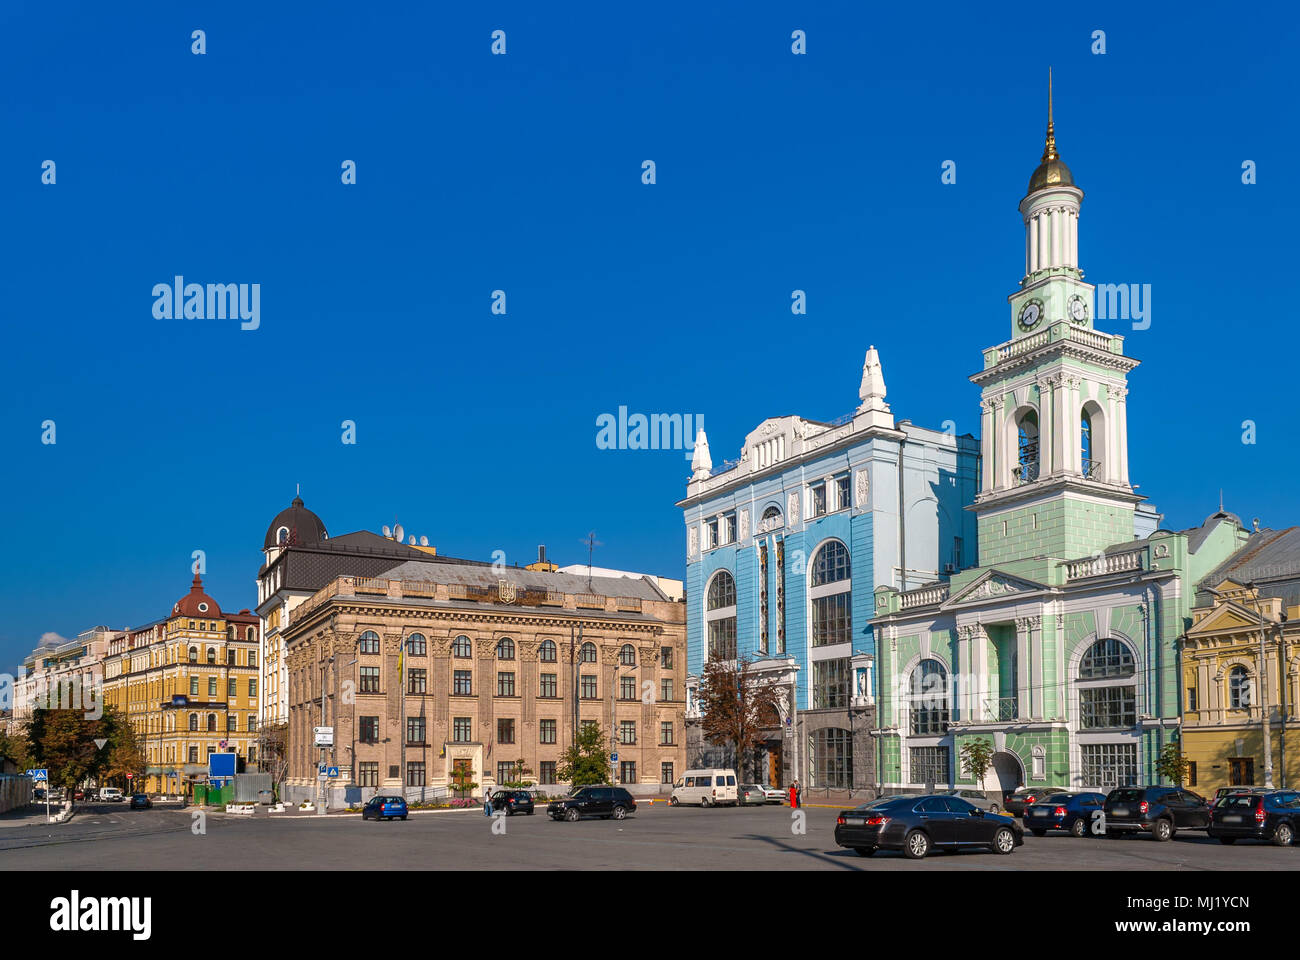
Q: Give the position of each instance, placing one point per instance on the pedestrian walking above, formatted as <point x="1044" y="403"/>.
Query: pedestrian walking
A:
<point x="487" y="803"/>
<point x="794" y="800"/>
<point x="798" y="795"/>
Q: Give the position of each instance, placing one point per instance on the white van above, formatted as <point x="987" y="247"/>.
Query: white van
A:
<point x="110" y="794"/>
<point x="706" y="787"/>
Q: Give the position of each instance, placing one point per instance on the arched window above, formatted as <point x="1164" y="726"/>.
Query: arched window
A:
<point x="230" y="656"/>
<point x="416" y="645"/>
<point x="722" y="591"/>
<point x="771" y="520"/>
<point x="1105" y="659"/>
<point x="251" y="634"/>
<point x="282" y="535"/>
<point x="831" y="564"/>
<point x="1239" y="688"/>
<point x="1085" y="446"/>
<point x="627" y="655"/>
<point x="830" y="597"/>
<point x="212" y="723"/>
<point x="929" y="698"/>
<point x="720" y="616"/>
<point x="369" y="642"/>
<point x="1027" y="447"/>
<point x="194" y="654"/>
<point x="546" y="652"/>
<point x="212" y="654"/>
<point x="230" y="632"/>
<point x="587" y="653"/>
<point x="194" y="721"/>
<point x="1107" y="691"/>
<point x="461" y="647"/>
<point x="505" y="649"/>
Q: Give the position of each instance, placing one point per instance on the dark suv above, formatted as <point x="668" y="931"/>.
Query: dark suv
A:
<point x="1271" y="816"/>
<point x="513" y="801"/>
<point x="603" y="802"/>
<point x="1159" y="811"/>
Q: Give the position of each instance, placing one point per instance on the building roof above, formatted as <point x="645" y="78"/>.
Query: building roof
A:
<point x="196" y="603"/>
<point x="1269" y="558"/>
<point x="300" y="526"/>
<point x="359" y="554"/>
<point x="486" y="575"/>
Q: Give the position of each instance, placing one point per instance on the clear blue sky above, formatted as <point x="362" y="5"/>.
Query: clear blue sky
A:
<point x="523" y="173"/>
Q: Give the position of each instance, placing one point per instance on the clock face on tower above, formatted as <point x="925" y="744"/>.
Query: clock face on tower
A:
<point x="1078" y="309"/>
<point x="1030" y="315"/>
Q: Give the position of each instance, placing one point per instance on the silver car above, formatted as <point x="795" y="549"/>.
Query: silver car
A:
<point x="976" y="798"/>
<point x="750" y="793"/>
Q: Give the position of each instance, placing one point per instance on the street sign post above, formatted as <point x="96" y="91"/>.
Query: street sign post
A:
<point x="324" y="736"/>
<point x="42" y="775"/>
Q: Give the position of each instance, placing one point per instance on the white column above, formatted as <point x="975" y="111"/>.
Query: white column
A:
<point x="1046" y="417"/>
<point x="1071" y="424"/>
<point x="1055" y="214"/>
<point x="1022" y="668"/>
<point x="1043" y="239"/>
<point x="1074" y="238"/>
<point x="1033" y="244"/>
<point x="1059" y="423"/>
<point x="964" y="673"/>
<point x="1029" y="260"/>
<point x="1120" y="434"/>
<point x="987" y="441"/>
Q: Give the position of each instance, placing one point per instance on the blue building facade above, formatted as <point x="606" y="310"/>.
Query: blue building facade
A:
<point x="785" y="547"/>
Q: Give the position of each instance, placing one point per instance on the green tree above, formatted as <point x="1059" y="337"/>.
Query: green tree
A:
<point x="121" y="754"/>
<point x="462" y="778"/>
<point x="63" y="741"/>
<point x="1171" y="764"/>
<point x="976" y="758"/>
<point x="737" y="707"/>
<point x="584" y="763"/>
<point x="17" y="747"/>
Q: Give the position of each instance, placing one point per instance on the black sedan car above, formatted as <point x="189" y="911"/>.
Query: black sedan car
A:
<point x="1016" y="801"/>
<point x="918" y="825"/>
<point x="603" y="802"/>
<point x="1071" y="812"/>
<point x="1158" y="811"/>
<point x="140" y="801"/>
<point x="513" y="801"/>
<point x="1271" y="816"/>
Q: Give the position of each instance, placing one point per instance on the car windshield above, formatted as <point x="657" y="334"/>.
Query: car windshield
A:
<point x="1124" y="795"/>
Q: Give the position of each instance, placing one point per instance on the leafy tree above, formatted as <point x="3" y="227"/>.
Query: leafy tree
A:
<point x="736" y="706"/>
<point x="273" y="752"/>
<point x="1171" y="764"/>
<point x="122" y="754"/>
<point x="63" y="741"/>
<point x="976" y="758"/>
<point x="584" y="763"/>
<point x="462" y="778"/>
<point x="15" y="746"/>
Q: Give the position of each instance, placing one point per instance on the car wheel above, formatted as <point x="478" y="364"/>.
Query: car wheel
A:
<point x="1163" y="830"/>
<point x="705" y="801"/>
<point x="864" y="851"/>
<point x="1283" y="835"/>
<point x="1228" y="840"/>
<point x="572" y="815"/>
<point x="1078" y="828"/>
<point x="916" y="845"/>
<point x="510" y="811"/>
<point x="1038" y="833"/>
<point x="672" y="801"/>
<point x="619" y="813"/>
<point x="1004" y="841"/>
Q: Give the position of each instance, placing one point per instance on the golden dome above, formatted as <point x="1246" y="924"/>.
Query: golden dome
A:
<point x="1052" y="171"/>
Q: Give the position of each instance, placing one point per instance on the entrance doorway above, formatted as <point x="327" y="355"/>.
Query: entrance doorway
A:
<point x="1007" y="771"/>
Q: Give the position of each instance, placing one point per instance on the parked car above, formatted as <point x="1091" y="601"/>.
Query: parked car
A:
<point x="774" y="794"/>
<point x="1229" y="791"/>
<point x="1159" y="811"/>
<point x="78" y="794"/>
<point x="140" y="802"/>
<point x="1271" y="816"/>
<point x="977" y="798"/>
<point x="513" y="801"/>
<point x="918" y="825"/>
<point x="384" y="808"/>
<point x="1067" y="811"/>
<point x="110" y="795"/>
<point x="708" y="788"/>
<point x="603" y="802"/>
<point x="750" y="794"/>
<point x="1014" y="802"/>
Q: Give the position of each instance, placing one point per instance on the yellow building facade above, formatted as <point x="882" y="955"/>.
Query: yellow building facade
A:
<point x="188" y="684"/>
<point x="1228" y="686"/>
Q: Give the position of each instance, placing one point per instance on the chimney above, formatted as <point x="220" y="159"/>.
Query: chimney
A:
<point x="541" y="553"/>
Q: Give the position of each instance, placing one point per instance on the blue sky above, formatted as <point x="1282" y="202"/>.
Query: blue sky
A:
<point x="522" y="172"/>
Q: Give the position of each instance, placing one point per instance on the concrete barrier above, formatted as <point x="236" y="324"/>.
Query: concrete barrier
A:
<point x="246" y="809"/>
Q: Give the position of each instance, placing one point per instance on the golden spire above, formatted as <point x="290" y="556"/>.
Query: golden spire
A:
<point x="1049" y="149"/>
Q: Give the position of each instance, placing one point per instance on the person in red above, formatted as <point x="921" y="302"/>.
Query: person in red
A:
<point x="794" y="798"/>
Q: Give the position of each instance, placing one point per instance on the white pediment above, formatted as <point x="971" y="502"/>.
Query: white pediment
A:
<point x="775" y="440"/>
<point x="993" y="585"/>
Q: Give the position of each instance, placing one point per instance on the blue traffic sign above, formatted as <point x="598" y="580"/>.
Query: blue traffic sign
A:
<point x="41" y="775"/>
<point x="613" y="758"/>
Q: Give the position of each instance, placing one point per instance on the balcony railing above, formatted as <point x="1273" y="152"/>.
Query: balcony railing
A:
<point x="1026" y="472"/>
<point x="1103" y="564"/>
<point x="1092" y="469"/>
<point x="923" y="597"/>
<point x="1003" y="708"/>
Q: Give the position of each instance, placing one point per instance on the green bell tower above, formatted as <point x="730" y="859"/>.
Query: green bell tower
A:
<point x="1054" y="435"/>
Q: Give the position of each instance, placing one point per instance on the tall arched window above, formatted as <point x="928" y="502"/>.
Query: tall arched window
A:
<point x="194" y="654"/>
<point x="1085" y="445"/>
<point x="771" y="520"/>
<point x="461" y="647"/>
<point x="505" y="649"/>
<point x="1027" y="447"/>
<point x="830" y="596"/>
<point x="1106" y="685"/>
<point x="194" y="722"/>
<point x="369" y="642"/>
<point x="1239" y="688"/>
<point x="230" y="631"/>
<point x="212" y="723"/>
<point x="212" y="654"/>
<point x="720" y="616"/>
<point x="416" y="645"/>
<point x="546" y="652"/>
<point x="587" y="653"/>
<point x="929" y="698"/>
<point x="251" y="634"/>
<point x="627" y="655"/>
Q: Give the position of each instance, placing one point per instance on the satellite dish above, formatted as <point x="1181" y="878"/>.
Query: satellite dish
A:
<point x="398" y="533"/>
<point x="411" y="539"/>
<point x="387" y="532"/>
<point x="424" y="541"/>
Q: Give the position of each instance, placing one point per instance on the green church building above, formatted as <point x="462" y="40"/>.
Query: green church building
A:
<point x="1061" y="648"/>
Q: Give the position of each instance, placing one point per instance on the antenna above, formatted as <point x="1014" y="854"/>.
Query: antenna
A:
<point x="411" y="540"/>
<point x="398" y="533"/>
<point x="387" y="532"/>
<point x="592" y="543"/>
<point x="424" y="541"/>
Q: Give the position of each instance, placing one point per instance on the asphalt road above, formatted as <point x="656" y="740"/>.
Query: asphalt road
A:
<point x="112" y="837"/>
